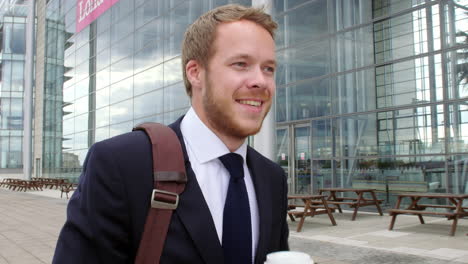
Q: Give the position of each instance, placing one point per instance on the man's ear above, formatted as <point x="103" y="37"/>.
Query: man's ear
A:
<point x="194" y="71"/>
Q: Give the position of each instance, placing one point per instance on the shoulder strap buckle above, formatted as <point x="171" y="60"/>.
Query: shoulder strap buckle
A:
<point x="164" y="200"/>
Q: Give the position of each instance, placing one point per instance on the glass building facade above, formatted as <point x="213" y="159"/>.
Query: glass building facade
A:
<point x="12" y="58"/>
<point x="370" y="93"/>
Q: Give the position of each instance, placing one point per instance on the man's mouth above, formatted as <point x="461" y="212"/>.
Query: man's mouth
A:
<point x="250" y="102"/>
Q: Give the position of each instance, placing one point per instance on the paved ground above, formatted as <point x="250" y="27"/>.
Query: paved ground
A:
<point x="30" y="223"/>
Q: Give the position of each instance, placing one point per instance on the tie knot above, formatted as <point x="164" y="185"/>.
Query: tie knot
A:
<point x="234" y="164"/>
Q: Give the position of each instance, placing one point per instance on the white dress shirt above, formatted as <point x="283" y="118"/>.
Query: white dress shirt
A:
<point x="203" y="150"/>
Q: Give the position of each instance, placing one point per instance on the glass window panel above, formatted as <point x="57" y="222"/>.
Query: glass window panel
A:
<point x="103" y="78"/>
<point x="173" y="46"/>
<point x="122" y="28"/>
<point x="82" y="54"/>
<point x="103" y="59"/>
<point x="68" y="126"/>
<point x="6" y="76"/>
<point x="414" y="131"/>
<point x="121" y="69"/>
<point x="458" y="116"/>
<point x="298" y="22"/>
<point x="282" y="149"/>
<point x="150" y="32"/>
<point x="411" y="80"/>
<point x="81" y="140"/>
<point x="122" y="49"/>
<point x="17" y="76"/>
<point x="103" y="22"/>
<point x="82" y="37"/>
<point x="81" y="122"/>
<point x="148" y="80"/>
<point x="154" y="118"/>
<point x="354" y="92"/>
<point x="353" y="49"/>
<point x="310" y="99"/>
<point x="121" y="112"/>
<point x="172" y="71"/>
<point x="121" y="8"/>
<point x="282" y="105"/>
<point x="68" y="141"/>
<point x="101" y="133"/>
<point x="457" y="67"/>
<point x="121" y="90"/>
<point x="15" y="119"/>
<point x="102" y="117"/>
<point x="149" y="104"/>
<point x="177" y="20"/>
<point x="384" y="7"/>
<point x="102" y="97"/>
<point x="82" y="71"/>
<point x="458" y="168"/>
<point x="82" y="88"/>
<point x="175" y="97"/>
<point x="456" y="24"/>
<point x="297" y="64"/>
<point x="82" y="105"/>
<point x="69" y="94"/>
<point x="121" y="128"/>
<point x="322" y="137"/>
<point x="102" y="40"/>
<point x="171" y="117"/>
<point x="147" y="11"/>
<point x="150" y="55"/>
<point x="402" y="36"/>
<point x="19" y="39"/>
<point x="7" y="37"/>
<point x="69" y="110"/>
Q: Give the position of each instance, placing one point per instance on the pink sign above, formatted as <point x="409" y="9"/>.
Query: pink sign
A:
<point x="89" y="10"/>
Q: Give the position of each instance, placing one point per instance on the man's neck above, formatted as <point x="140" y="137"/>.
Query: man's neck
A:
<point x="232" y="143"/>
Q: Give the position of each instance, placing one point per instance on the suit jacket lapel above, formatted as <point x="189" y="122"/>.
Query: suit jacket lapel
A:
<point x="261" y="184"/>
<point x="195" y="214"/>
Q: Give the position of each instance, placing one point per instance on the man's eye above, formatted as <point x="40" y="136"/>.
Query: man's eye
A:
<point x="240" y="64"/>
<point x="269" y="69"/>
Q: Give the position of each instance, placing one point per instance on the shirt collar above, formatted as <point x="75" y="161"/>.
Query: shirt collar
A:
<point x="203" y="142"/>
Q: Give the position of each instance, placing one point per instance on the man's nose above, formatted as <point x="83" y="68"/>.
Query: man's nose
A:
<point x="258" y="78"/>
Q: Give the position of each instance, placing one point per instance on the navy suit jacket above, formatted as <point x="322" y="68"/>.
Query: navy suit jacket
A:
<point x="107" y="212"/>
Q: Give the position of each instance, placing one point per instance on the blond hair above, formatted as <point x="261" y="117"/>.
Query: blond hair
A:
<point x="200" y="35"/>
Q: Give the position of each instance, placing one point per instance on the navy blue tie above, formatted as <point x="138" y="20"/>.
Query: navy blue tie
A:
<point x="237" y="229"/>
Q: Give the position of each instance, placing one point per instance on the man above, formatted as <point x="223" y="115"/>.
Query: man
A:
<point x="229" y="62"/>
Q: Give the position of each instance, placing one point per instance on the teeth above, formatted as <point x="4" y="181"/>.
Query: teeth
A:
<point x="249" y="102"/>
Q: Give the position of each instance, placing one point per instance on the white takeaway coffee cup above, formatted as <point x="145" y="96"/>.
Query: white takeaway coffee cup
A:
<point x="288" y="257"/>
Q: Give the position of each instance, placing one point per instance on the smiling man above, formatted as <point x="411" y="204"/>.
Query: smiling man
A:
<point x="233" y="209"/>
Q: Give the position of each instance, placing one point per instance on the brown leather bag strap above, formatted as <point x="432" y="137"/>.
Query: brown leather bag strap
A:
<point x="169" y="181"/>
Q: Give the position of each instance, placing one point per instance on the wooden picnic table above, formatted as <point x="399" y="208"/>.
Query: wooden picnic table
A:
<point x="353" y="202"/>
<point x="454" y="210"/>
<point x="313" y="205"/>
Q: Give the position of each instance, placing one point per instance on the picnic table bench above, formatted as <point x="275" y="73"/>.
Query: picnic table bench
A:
<point x="454" y="211"/>
<point x="352" y="202"/>
<point x="313" y="205"/>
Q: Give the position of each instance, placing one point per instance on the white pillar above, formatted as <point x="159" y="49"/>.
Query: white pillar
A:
<point x="265" y="141"/>
<point x="28" y="91"/>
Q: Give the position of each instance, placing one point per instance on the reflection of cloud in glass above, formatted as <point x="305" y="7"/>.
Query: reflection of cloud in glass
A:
<point x="120" y="128"/>
<point x="148" y="80"/>
<point x="149" y="104"/>
<point x="172" y="71"/>
<point x="122" y="69"/>
<point x="122" y="111"/>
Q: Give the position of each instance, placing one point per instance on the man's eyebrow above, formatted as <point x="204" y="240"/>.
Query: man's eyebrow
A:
<point x="246" y="56"/>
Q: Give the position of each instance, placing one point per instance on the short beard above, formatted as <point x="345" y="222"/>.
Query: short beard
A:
<point x="222" y="121"/>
